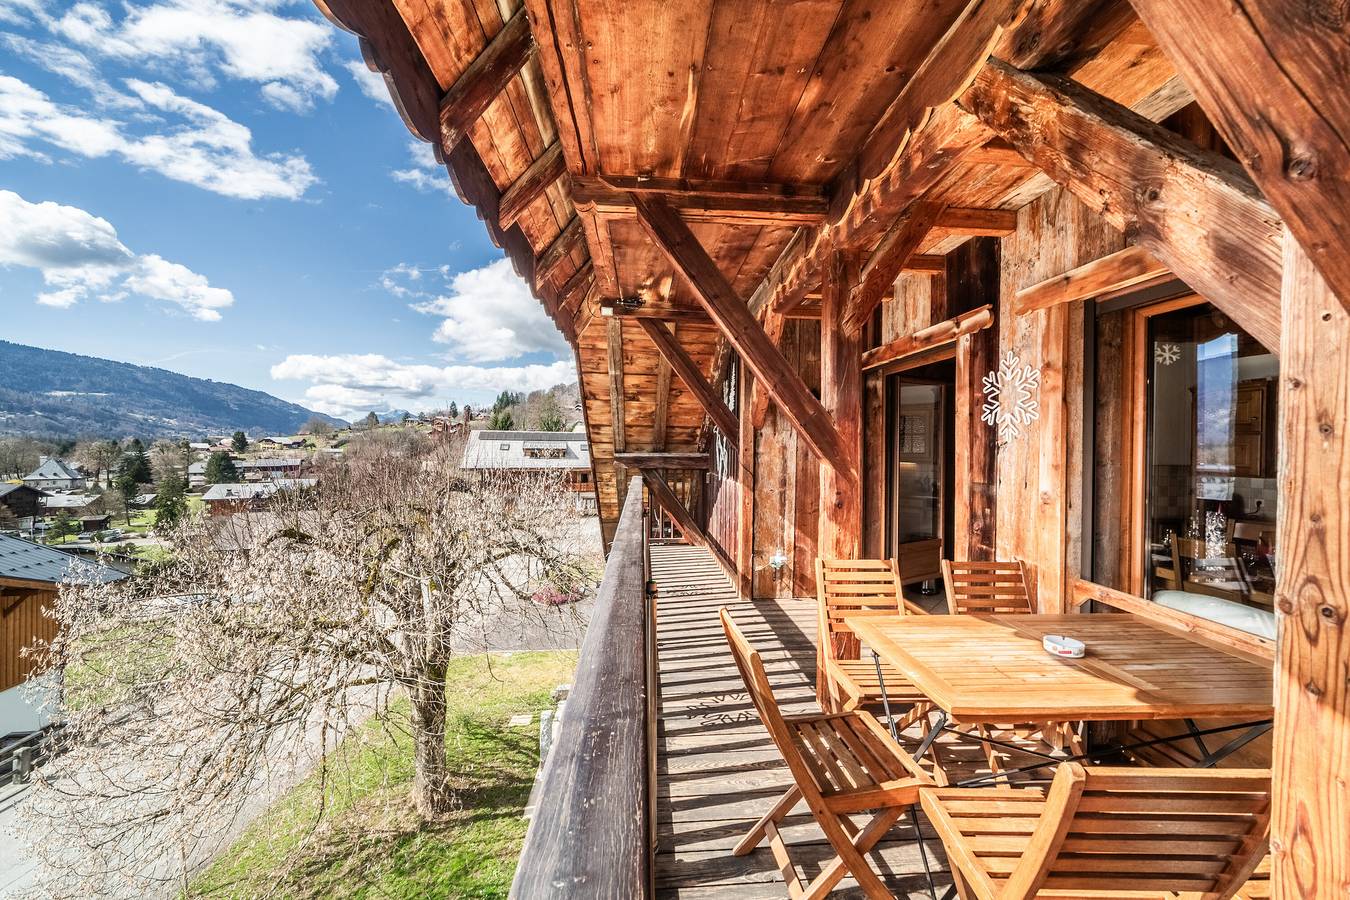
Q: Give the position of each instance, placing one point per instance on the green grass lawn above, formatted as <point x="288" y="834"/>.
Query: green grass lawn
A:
<point x="369" y="842"/>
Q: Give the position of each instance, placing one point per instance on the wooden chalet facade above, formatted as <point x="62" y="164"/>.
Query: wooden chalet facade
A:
<point x="834" y="267"/>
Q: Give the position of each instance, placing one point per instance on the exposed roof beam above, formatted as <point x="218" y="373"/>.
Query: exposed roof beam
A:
<point x="691" y="460"/>
<point x="574" y="289"/>
<point x="928" y="338"/>
<point x="977" y="222"/>
<point x="704" y="201"/>
<point x="878" y="273"/>
<point x="673" y="237"/>
<point x="1270" y="75"/>
<point x="999" y="153"/>
<point x="571" y="237"/>
<point x="664" y="312"/>
<point x="1195" y="211"/>
<point x="485" y="78"/>
<point x="531" y="184"/>
<point x="693" y="379"/>
<point x="1112" y="272"/>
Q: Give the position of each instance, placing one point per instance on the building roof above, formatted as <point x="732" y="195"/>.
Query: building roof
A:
<point x="68" y="501"/>
<point x="283" y="462"/>
<point x="197" y="468"/>
<point x="256" y="490"/>
<point x="488" y="449"/>
<point x="9" y="488"/>
<point x="25" y="561"/>
<point x="52" y="468"/>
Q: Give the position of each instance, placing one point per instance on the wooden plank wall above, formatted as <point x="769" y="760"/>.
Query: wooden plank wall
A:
<point x="21" y="623"/>
<point x="1040" y="470"/>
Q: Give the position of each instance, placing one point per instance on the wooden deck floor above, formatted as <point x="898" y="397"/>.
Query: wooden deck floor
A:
<point x="717" y="770"/>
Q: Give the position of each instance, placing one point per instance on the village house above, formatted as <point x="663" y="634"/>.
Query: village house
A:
<point x="196" y="473"/>
<point x="970" y="378"/>
<point x="270" y="468"/>
<point x="286" y="443"/>
<point x="53" y="474"/>
<point x="30" y="576"/>
<point x="534" y="451"/>
<point x="77" y="505"/>
<point x="228" y="499"/>
<point x="20" y="505"/>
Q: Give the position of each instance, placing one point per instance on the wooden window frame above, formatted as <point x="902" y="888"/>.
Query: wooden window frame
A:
<point x="1142" y="306"/>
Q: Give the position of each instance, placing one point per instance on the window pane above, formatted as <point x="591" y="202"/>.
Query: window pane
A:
<point x="1210" y="472"/>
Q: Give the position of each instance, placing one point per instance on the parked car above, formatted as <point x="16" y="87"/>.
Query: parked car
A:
<point x="112" y="535"/>
<point x="86" y="536"/>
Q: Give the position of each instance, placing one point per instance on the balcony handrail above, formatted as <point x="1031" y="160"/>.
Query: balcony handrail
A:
<point x="591" y="831"/>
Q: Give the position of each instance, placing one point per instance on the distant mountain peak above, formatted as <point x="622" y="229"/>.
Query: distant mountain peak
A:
<point x="52" y="393"/>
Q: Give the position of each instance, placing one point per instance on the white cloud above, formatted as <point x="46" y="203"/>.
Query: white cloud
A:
<point x="242" y="39"/>
<point x="347" y="385"/>
<point x="206" y="148"/>
<point x="425" y="174"/>
<point x="371" y="84"/>
<point x="80" y="257"/>
<point x="490" y="315"/>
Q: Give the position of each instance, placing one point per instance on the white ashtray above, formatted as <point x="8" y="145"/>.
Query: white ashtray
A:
<point x="1063" y="645"/>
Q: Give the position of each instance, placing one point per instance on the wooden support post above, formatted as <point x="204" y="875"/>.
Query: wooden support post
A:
<point x="973" y="278"/>
<point x="738" y="325"/>
<point x="745" y="482"/>
<point x="661" y="420"/>
<point x="693" y="379"/>
<point x="614" y="338"/>
<point x="841" y="393"/>
<point x="1310" y="828"/>
<point x="1270" y="75"/>
<point x="485" y="78"/>
<point x="1197" y="212"/>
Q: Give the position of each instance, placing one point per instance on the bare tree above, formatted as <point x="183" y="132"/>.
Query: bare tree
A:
<point x="196" y="678"/>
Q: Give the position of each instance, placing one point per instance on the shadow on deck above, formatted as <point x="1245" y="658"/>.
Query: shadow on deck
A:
<point x="717" y="769"/>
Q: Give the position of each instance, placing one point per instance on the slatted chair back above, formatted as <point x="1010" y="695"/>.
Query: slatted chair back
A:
<point x="1114" y="832"/>
<point x="850" y="587"/>
<point x="751" y="667"/>
<point x="987" y="587"/>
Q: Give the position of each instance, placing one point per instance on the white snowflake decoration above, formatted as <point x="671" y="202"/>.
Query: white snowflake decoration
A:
<point x="1166" y="354"/>
<point x="1009" y="397"/>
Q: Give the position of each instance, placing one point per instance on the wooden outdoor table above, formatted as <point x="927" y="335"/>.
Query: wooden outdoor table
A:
<point x="985" y="669"/>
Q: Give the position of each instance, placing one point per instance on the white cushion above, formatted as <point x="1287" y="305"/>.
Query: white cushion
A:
<point x="1250" y="619"/>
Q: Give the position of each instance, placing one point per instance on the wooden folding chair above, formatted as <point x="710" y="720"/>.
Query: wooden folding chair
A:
<point x="1107" y="833"/>
<point x="841" y="763"/>
<point x="997" y="588"/>
<point x="844" y="680"/>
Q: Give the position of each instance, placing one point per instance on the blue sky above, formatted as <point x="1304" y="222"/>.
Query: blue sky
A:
<point x="220" y="188"/>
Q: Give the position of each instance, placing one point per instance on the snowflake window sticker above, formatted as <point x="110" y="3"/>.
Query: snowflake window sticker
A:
<point x="1166" y="354"/>
<point x="1009" y="397"/>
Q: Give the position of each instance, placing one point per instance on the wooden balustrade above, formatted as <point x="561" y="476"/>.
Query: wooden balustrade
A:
<point x="591" y="835"/>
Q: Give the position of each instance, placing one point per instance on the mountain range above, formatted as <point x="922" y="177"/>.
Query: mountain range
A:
<point x="50" y="393"/>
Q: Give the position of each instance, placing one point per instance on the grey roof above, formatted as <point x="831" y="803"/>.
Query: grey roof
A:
<point x="68" y="501"/>
<point x="283" y="462"/>
<point x="506" y="450"/>
<point x="27" y="561"/>
<point x="8" y="488"/>
<point x="197" y="468"/>
<point x="255" y="490"/>
<point x="52" y="468"/>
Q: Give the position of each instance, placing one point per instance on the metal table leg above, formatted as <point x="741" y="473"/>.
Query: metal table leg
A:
<point x="885" y="700"/>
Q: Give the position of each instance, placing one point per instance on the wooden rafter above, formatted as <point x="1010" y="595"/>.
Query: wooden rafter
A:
<point x="693" y="379"/>
<point x="575" y="288"/>
<point x="486" y="77"/>
<point x="879" y="272"/>
<point x="1113" y="272"/>
<point x="1270" y="74"/>
<point x="531" y="184"/>
<point x="656" y="460"/>
<point x="571" y="237"/>
<point x="1195" y="211"/>
<point x="738" y="325"/>
<point x="927" y="338"/>
<point x="707" y="202"/>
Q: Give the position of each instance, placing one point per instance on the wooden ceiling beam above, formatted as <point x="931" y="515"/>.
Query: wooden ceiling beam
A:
<point x="693" y="379"/>
<point x="1270" y="75"/>
<point x="878" y="273"/>
<point x="531" y="184"/>
<point x="656" y="460"/>
<point x="486" y="77"/>
<point x="998" y="152"/>
<point x="1113" y="272"/>
<point x="1195" y="211"/>
<point x="673" y="237"/>
<point x="662" y="312"/>
<point x="704" y="201"/>
<point x="927" y="338"/>
<point x="977" y="222"/>
<point x="575" y="288"/>
<point x="571" y="237"/>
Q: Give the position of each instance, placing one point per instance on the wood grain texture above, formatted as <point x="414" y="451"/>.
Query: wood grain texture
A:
<point x="1271" y="77"/>
<point x="618" y="415"/>
<point x="594" y="783"/>
<point x="484" y="79"/>
<point x="1311" y="828"/>
<point x="841" y="395"/>
<point x="1195" y="211"/>
<point x="1112" y="272"/>
<point x="927" y="338"/>
<point x="693" y="379"/>
<point x="531" y="184"/>
<point x="885" y="263"/>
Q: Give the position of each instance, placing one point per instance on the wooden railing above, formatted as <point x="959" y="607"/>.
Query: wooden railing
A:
<point x="591" y="835"/>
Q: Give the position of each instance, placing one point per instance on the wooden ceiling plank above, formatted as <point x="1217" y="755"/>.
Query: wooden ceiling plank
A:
<point x="1113" y="272"/>
<point x="878" y="274"/>
<point x="531" y="184"/>
<point x="660" y="460"/>
<point x="693" y="379"/>
<point x="1195" y="211"/>
<point x="567" y="240"/>
<point x="484" y="79"/>
<point x="1270" y="75"/>
<point x="733" y="317"/>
